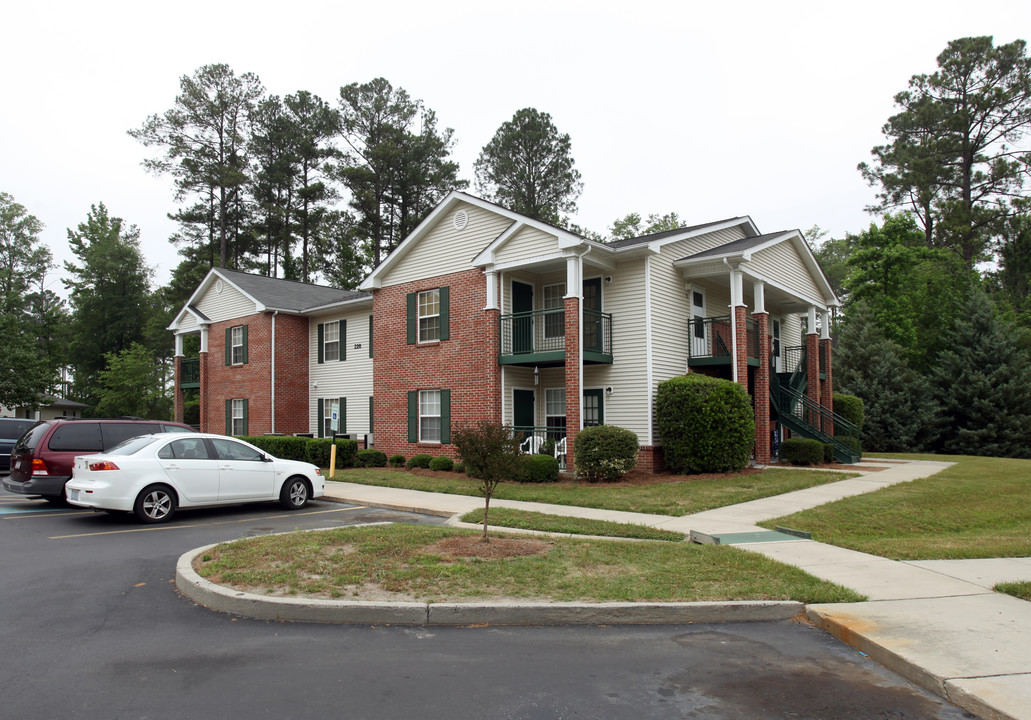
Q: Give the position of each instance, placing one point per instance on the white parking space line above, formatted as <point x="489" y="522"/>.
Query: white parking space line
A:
<point x="150" y="528"/>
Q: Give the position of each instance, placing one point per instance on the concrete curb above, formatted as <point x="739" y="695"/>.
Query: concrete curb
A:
<point x="261" y="607"/>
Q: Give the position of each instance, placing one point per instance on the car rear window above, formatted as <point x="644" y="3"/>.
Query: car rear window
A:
<point x="132" y="445"/>
<point x="29" y="441"/>
<point x="14" y="428"/>
<point x="117" y="433"/>
<point x="175" y="428"/>
<point x="77" y="437"/>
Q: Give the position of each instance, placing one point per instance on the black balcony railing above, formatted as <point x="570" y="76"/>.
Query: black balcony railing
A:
<point x="543" y="332"/>
<point x="190" y="373"/>
<point x="712" y="338"/>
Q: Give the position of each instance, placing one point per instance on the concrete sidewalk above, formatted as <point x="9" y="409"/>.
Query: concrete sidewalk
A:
<point x="938" y="623"/>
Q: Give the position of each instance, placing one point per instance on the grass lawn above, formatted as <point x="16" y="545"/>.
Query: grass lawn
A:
<point x="526" y="520"/>
<point x="978" y="508"/>
<point x="670" y="495"/>
<point x="408" y="562"/>
<point x="1020" y="590"/>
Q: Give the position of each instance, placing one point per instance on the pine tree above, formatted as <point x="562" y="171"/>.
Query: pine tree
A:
<point x="983" y="384"/>
<point x="900" y="410"/>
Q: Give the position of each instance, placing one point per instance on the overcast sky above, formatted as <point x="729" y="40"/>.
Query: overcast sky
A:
<point x="748" y="108"/>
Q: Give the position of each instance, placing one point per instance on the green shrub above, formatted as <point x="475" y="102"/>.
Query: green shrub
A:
<point x="459" y="467"/>
<point x="538" y="468"/>
<point x="490" y="451"/>
<point x="397" y="461"/>
<point x="286" y="447"/>
<point x="706" y="424"/>
<point x="802" y="451"/>
<point x="318" y="449"/>
<point x="851" y="408"/>
<point x="828" y="453"/>
<point x="853" y="443"/>
<point x="370" y="458"/>
<point x="604" y="453"/>
<point x="547" y="448"/>
<point x="442" y="464"/>
<point x="419" y="461"/>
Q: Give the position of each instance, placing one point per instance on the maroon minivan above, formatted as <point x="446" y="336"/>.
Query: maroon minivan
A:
<point x="42" y="459"/>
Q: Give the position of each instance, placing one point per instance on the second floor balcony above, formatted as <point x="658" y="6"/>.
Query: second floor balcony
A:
<point x="539" y="338"/>
<point x="712" y="341"/>
<point x="190" y="377"/>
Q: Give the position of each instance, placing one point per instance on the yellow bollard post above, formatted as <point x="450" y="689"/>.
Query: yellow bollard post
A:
<point x="332" y="460"/>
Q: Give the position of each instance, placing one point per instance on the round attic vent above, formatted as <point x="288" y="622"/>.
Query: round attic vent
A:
<point x="461" y="220"/>
<point x="218" y="286"/>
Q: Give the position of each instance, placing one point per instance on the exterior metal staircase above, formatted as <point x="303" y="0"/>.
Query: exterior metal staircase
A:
<point x="796" y="411"/>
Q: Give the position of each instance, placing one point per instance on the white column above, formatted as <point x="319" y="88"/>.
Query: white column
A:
<point x="178" y="345"/>
<point x="573" y="288"/>
<point x="759" y="290"/>
<point x="811" y="330"/>
<point x="492" y="290"/>
<point x="204" y="339"/>
<point x="825" y="325"/>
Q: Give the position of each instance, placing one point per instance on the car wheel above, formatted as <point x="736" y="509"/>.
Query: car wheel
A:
<point x="295" y="493"/>
<point x="155" y="504"/>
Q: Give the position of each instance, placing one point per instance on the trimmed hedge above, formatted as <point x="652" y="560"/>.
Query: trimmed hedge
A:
<point x="828" y="453"/>
<point x="419" y="461"/>
<point x="707" y="424"/>
<point x="442" y="464"/>
<point x="397" y="461"/>
<point x="538" y="468"/>
<point x="802" y="451"/>
<point x="370" y="458"/>
<point x="851" y="408"/>
<point x="313" y="450"/>
<point x="603" y="453"/>
<point x="459" y="467"/>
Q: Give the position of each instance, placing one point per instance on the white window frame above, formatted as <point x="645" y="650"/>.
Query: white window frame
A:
<point x="549" y="406"/>
<point x="236" y="345"/>
<point x="329" y="406"/>
<point x="429" y="400"/>
<point x="554" y="303"/>
<point x="331" y="339"/>
<point x="237" y="416"/>
<point x="429" y="331"/>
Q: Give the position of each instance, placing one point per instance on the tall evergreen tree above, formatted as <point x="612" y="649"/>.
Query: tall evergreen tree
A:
<point x="983" y="385"/>
<point x="396" y="165"/>
<point x="109" y="288"/>
<point x="528" y="167"/>
<point x="204" y="139"/>
<point x="957" y="151"/>
<point x="27" y="367"/>
<point x="900" y="410"/>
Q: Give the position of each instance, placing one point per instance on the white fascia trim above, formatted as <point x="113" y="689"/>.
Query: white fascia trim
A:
<point x="201" y="321"/>
<point x="343" y="305"/>
<point x="524" y="262"/>
<point x="486" y="256"/>
<point x="745" y="220"/>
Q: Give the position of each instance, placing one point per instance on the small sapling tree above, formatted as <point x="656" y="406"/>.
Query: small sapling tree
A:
<point x="491" y="454"/>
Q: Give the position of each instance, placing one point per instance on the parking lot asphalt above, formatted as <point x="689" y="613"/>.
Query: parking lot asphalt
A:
<point x="94" y="628"/>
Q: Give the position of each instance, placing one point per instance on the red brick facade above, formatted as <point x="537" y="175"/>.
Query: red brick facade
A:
<point x="466" y="363"/>
<point x="761" y="392"/>
<point x="252" y="380"/>
<point x="574" y="395"/>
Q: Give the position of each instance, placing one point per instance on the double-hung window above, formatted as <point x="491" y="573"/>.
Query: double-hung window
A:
<point x="429" y="416"/>
<point x="429" y="315"/>
<point x="236" y="341"/>
<point x="555" y="412"/>
<point x="239" y="417"/>
<point x="554" y="321"/>
<point x="331" y="341"/>
<point x="330" y="425"/>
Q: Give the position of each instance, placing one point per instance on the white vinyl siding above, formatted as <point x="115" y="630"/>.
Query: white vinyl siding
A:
<point x="783" y="264"/>
<point x="445" y="250"/>
<point x="350" y="379"/>
<point x="527" y="243"/>
<point x="226" y="305"/>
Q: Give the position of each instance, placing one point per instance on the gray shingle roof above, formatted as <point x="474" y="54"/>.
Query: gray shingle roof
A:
<point x="734" y="246"/>
<point x="629" y="242"/>
<point x="288" y="295"/>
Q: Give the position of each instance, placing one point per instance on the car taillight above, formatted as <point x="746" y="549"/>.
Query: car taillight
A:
<point x="102" y="465"/>
<point x="39" y="467"/>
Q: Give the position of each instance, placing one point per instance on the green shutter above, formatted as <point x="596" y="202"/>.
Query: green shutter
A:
<point x="445" y="416"/>
<point x="343" y="340"/>
<point x="342" y="424"/>
<point x="229" y="417"/>
<point x="246" y="431"/>
<point x="320" y="413"/>
<point x="370" y="339"/>
<point x="229" y="346"/>
<point x="321" y="333"/>
<point x="244" y="345"/>
<point x="445" y="303"/>
<point x="370" y="415"/>
<point x="413" y="318"/>
<point x="413" y="416"/>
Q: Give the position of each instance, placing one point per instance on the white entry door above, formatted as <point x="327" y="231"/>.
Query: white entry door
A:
<point x="699" y="347"/>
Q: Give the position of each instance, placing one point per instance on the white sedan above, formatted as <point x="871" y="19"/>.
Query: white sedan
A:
<point x="153" y="475"/>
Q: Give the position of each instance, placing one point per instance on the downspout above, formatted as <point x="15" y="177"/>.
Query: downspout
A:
<point x="733" y="322"/>
<point x="273" y="383"/>
<point x="648" y="347"/>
